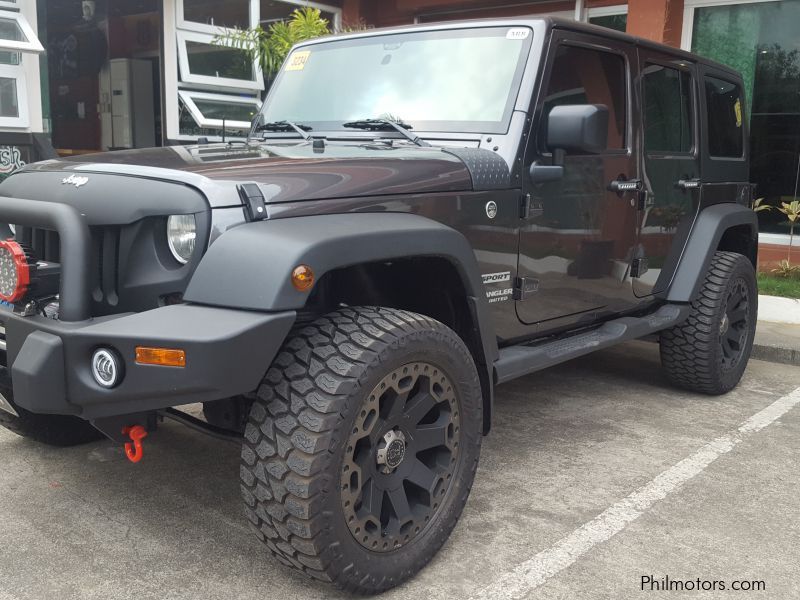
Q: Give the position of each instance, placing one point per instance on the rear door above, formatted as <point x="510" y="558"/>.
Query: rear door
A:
<point x="668" y="89"/>
<point x="577" y="242"/>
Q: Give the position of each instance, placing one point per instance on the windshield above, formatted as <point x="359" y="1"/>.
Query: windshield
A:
<point x="462" y="80"/>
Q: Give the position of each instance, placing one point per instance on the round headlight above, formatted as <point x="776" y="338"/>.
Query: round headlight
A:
<point x="181" y="235"/>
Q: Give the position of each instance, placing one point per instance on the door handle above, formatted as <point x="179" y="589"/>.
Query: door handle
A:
<point x="620" y="186"/>
<point x="687" y="184"/>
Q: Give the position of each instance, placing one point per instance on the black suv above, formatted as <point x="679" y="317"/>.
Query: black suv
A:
<point x="418" y="215"/>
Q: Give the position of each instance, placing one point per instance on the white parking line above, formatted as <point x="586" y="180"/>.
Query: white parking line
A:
<point x="537" y="570"/>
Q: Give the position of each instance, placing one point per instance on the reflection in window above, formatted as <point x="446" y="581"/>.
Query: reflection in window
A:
<point x="724" y="106"/>
<point x="10" y="30"/>
<point x="615" y="22"/>
<point x="583" y="76"/>
<point x="667" y="115"/>
<point x="462" y="80"/>
<point x="273" y="11"/>
<point x="219" y="61"/>
<point x="9" y="105"/>
<point x="230" y="13"/>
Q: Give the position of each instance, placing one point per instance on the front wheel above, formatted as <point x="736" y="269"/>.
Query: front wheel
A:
<point x="362" y="446"/>
<point x="709" y="351"/>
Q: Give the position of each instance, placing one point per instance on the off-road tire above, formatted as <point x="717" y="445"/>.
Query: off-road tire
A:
<point x="53" y="430"/>
<point x="296" y="443"/>
<point x="692" y="353"/>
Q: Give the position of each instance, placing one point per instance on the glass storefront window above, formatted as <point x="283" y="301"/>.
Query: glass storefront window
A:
<point x="230" y="13"/>
<point x="9" y="106"/>
<point x="204" y="62"/>
<point x="273" y="11"/>
<point x="616" y="22"/>
<point x="762" y="41"/>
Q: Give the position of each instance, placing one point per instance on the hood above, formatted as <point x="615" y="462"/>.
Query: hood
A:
<point x="287" y="172"/>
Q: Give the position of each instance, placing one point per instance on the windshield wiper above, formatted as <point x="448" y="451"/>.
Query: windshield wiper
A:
<point x="386" y="125"/>
<point x="286" y="126"/>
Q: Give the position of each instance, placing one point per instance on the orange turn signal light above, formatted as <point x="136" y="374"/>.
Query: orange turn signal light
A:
<point x="165" y="357"/>
<point x="302" y="278"/>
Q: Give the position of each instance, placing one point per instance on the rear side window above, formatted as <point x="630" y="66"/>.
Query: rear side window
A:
<point x="725" y="118"/>
<point x="668" y="110"/>
<point x="584" y="76"/>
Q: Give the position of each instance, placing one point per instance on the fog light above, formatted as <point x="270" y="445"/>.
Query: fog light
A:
<point x="106" y="368"/>
<point x="15" y="274"/>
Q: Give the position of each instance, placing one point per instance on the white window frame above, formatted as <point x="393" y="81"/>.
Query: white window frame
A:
<point x="32" y="45"/>
<point x="186" y="76"/>
<point x="17" y="73"/>
<point x="188" y="98"/>
<point x="8" y="4"/>
<point x="212" y="29"/>
<point x="337" y="12"/>
<point x="688" y="15"/>
<point x="607" y="11"/>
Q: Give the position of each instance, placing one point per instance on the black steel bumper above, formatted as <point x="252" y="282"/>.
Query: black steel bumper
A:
<point x="227" y="353"/>
<point x="49" y="361"/>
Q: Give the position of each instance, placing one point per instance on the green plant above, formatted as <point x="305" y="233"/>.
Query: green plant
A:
<point x="758" y="205"/>
<point x="786" y="270"/>
<point x="792" y="212"/>
<point x="271" y="46"/>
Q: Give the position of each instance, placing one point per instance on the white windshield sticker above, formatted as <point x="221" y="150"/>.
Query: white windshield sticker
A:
<point x="518" y="33"/>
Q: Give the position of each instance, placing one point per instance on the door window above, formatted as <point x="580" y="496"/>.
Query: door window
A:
<point x="586" y="76"/>
<point x="667" y="110"/>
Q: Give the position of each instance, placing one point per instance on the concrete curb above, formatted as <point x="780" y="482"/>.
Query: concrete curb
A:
<point x="774" y="354"/>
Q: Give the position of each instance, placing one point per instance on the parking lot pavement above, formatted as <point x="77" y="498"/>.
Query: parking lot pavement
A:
<point x="596" y="473"/>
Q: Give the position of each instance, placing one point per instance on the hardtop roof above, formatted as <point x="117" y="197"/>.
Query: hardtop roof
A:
<point x="550" y="22"/>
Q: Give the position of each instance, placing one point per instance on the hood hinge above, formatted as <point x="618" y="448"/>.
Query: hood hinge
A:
<point x="255" y="205"/>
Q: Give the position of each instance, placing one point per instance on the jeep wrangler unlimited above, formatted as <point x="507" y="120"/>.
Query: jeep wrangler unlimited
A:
<point x="418" y="215"/>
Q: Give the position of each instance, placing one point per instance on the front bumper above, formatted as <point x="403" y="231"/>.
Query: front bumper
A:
<point x="227" y="353"/>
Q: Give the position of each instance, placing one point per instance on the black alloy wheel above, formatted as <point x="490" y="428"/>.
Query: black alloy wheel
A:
<point x="400" y="457"/>
<point x="734" y="327"/>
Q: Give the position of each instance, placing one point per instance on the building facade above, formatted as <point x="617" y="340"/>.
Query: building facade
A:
<point x="81" y="76"/>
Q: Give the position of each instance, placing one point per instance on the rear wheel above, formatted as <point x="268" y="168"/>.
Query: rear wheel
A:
<point x="362" y="446"/>
<point x="54" y="430"/>
<point x="709" y="351"/>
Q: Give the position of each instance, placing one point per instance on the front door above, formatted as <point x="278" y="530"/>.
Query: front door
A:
<point x="578" y="241"/>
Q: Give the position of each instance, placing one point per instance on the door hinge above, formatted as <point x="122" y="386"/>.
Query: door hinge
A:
<point x="643" y="199"/>
<point x="524" y="206"/>
<point x="525" y="287"/>
<point x="639" y="267"/>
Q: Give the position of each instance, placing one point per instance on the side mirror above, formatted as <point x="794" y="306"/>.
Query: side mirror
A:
<point x="581" y="128"/>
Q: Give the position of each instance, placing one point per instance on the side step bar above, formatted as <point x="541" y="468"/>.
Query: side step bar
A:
<point x="516" y="361"/>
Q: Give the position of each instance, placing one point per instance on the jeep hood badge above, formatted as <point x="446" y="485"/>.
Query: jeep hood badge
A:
<point x="75" y="180"/>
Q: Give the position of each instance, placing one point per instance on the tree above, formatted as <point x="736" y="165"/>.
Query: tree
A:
<point x="271" y="46"/>
<point x="792" y="212"/>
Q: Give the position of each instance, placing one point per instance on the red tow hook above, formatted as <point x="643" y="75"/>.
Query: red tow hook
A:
<point x="134" y="451"/>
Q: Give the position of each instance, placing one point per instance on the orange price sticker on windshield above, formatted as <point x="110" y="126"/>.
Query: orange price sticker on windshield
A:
<point x="297" y="61"/>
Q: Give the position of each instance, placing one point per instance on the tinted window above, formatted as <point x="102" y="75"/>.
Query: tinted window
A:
<point x="725" y="118"/>
<point x="668" y="109"/>
<point x="582" y="76"/>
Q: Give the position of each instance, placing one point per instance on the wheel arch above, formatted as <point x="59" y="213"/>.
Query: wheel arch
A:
<point x="357" y="258"/>
<point x="729" y="227"/>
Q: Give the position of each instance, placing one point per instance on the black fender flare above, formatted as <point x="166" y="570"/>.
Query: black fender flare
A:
<point x="709" y="227"/>
<point x="249" y="267"/>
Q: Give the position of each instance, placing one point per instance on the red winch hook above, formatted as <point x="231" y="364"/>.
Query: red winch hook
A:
<point x="134" y="451"/>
